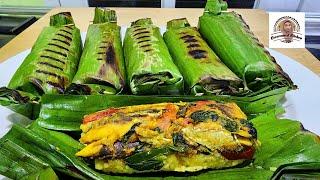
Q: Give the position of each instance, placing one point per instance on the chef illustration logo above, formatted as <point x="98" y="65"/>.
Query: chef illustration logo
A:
<point x="286" y="31"/>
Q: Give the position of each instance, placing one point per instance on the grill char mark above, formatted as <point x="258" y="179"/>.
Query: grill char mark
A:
<point x="140" y="37"/>
<point x="187" y="37"/>
<point x="52" y="58"/>
<point x="69" y="27"/>
<point x="56" y="52"/>
<point x="64" y="36"/>
<point x="65" y="42"/>
<point x="58" y="86"/>
<point x="139" y="29"/>
<point x="147" y="50"/>
<point x="147" y="40"/>
<point x="190" y="40"/>
<point x="198" y="54"/>
<point x="141" y="32"/>
<point x="49" y="74"/>
<point x="147" y="45"/>
<point x="50" y="65"/>
<point x="58" y="46"/>
<point x="193" y="45"/>
<point x="110" y="59"/>
<point x="68" y="32"/>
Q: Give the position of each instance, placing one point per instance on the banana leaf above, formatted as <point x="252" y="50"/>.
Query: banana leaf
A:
<point x="150" y="68"/>
<point x="61" y="112"/>
<point x="17" y="163"/>
<point x="231" y="39"/>
<point x="53" y="60"/>
<point x="298" y="171"/>
<point x="101" y="68"/>
<point x="52" y="148"/>
<point x="201" y="68"/>
<point x="20" y="102"/>
<point x="284" y="144"/>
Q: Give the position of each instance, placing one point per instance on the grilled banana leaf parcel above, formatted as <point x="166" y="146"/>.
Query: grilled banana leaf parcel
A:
<point x="101" y="68"/>
<point x="184" y="136"/>
<point x="230" y="37"/>
<point x="53" y="60"/>
<point x="201" y="68"/>
<point x="150" y="68"/>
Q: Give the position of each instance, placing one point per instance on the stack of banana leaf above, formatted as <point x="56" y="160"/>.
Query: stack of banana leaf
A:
<point x="101" y="68"/>
<point x="53" y="60"/>
<point x="240" y="83"/>
<point x="230" y="37"/>
<point x="150" y="67"/>
<point x="202" y="70"/>
<point x="181" y="63"/>
<point x="49" y="67"/>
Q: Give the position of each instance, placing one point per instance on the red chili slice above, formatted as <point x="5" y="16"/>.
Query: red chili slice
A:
<point x="247" y="153"/>
<point x="99" y="115"/>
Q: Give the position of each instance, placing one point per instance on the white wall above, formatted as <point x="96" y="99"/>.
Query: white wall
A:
<point x="289" y="5"/>
<point x="310" y="6"/>
<point x="74" y="3"/>
<point x="277" y="5"/>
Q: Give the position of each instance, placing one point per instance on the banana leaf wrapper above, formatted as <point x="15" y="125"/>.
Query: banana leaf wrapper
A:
<point x="17" y="163"/>
<point x="285" y="144"/>
<point x="20" y="102"/>
<point x="150" y="68"/>
<point x="51" y="149"/>
<point x="65" y="113"/>
<point x="203" y="71"/>
<point x="231" y="39"/>
<point x="53" y="60"/>
<point x="182" y="137"/>
<point x="101" y="68"/>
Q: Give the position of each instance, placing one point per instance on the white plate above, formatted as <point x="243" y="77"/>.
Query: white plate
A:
<point x="301" y="104"/>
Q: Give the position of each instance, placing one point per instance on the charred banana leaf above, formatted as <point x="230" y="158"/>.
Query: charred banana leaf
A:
<point x="101" y="68"/>
<point x="232" y="40"/>
<point x="150" y="68"/>
<point x="168" y="137"/>
<point x="201" y="68"/>
<point x="53" y="60"/>
<point x="20" y="102"/>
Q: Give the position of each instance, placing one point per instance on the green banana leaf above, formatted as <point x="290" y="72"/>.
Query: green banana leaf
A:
<point x="231" y="39"/>
<point x="101" y="68"/>
<point x="17" y="163"/>
<point x="20" y="102"/>
<point x="53" y="148"/>
<point x="284" y="143"/>
<point x="150" y="68"/>
<point x="53" y="60"/>
<point x="201" y="68"/>
<point x="65" y="113"/>
<point x="298" y="171"/>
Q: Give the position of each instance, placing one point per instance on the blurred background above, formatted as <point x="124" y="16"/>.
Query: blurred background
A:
<point x="16" y="15"/>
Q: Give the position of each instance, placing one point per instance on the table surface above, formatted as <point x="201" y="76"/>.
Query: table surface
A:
<point x="257" y="20"/>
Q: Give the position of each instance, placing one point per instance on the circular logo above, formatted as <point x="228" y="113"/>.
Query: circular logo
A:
<point x="286" y="29"/>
